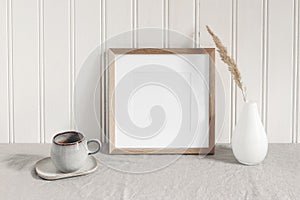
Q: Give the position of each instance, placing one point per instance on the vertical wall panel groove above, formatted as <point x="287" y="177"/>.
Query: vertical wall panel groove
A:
<point x="298" y="76"/>
<point x="233" y="89"/>
<point x="195" y="37"/>
<point x="197" y="23"/>
<point x="103" y="53"/>
<point x="41" y="71"/>
<point x="265" y="48"/>
<point x="72" y="63"/>
<point x="166" y="24"/>
<point x="134" y="22"/>
<point x="102" y="71"/>
<point x="295" y="73"/>
<point x="4" y="74"/>
<point x="10" y="72"/>
<point x="106" y="71"/>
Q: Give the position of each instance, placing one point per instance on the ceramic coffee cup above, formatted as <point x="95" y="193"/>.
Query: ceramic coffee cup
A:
<point x="69" y="151"/>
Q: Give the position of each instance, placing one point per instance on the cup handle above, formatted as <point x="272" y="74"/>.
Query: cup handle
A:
<point x="98" y="143"/>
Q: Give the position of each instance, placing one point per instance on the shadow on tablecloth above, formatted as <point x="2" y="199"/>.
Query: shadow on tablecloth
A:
<point x="20" y="162"/>
<point x="223" y="153"/>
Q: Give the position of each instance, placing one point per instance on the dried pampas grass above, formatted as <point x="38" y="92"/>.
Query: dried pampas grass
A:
<point x="232" y="66"/>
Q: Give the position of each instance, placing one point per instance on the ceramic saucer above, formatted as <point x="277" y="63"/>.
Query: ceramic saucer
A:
<point x="46" y="169"/>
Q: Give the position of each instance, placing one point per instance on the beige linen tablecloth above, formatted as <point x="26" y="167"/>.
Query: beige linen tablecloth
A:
<point x="155" y="176"/>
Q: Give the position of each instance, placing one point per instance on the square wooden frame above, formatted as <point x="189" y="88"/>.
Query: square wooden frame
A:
<point x="111" y="81"/>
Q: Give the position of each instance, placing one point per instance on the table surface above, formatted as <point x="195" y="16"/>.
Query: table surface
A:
<point x="155" y="176"/>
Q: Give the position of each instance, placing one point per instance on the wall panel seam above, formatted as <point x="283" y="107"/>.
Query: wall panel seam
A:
<point x="166" y="24"/>
<point x="100" y="79"/>
<point x="41" y="71"/>
<point x="233" y="89"/>
<point x="195" y="28"/>
<point x="72" y="64"/>
<point x="297" y="79"/>
<point x="265" y="52"/>
<point x="102" y="110"/>
<point x="295" y="73"/>
<point x="197" y="23"/>
<point x="134" y="23"/>
<point x="104" y="62"/>
<point x="10" y="71"/>
<point x="106" y="72"/>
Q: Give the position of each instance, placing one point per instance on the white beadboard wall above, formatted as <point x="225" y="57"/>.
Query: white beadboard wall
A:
<point x="43" y="44"/>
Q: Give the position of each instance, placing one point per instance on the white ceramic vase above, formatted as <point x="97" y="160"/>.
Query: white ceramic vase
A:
<point x="249" y="139"/>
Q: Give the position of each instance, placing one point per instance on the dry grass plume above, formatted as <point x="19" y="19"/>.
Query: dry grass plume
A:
<point x="232" y="66"/>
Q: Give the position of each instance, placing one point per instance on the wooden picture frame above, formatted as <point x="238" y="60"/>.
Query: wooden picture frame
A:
<point x="114" y="54"/>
